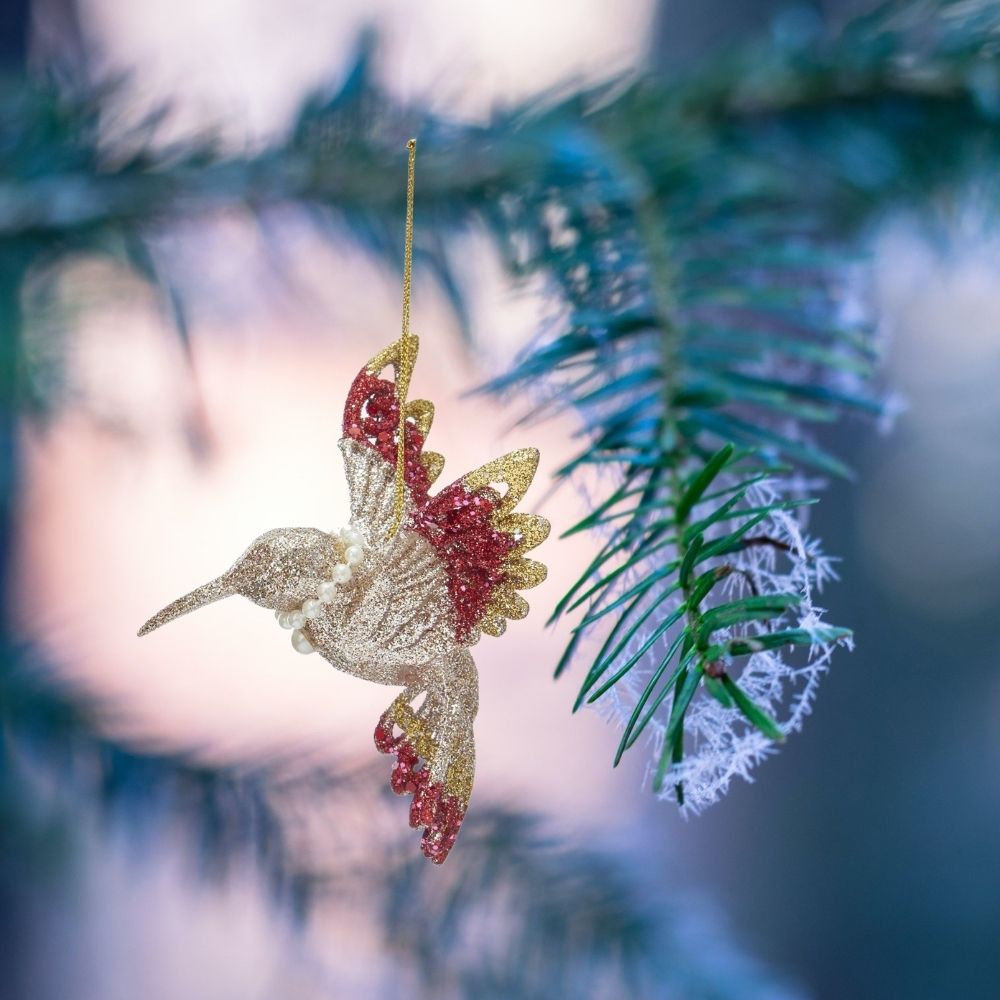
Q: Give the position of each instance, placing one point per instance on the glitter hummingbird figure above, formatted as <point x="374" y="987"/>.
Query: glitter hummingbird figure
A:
<point x="401" y="593"/>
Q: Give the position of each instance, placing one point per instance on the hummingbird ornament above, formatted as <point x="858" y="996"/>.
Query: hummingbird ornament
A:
<point x="400" y="595"/>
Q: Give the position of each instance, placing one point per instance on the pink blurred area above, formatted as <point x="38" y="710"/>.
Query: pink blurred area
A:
<point x="241" y="66"/>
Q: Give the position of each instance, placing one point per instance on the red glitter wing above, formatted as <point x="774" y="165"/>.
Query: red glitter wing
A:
<point x="469" y="523"/>
<point x="371" y="416"/>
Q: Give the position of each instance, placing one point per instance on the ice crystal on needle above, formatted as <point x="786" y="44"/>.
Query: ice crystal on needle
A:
<point x="723" y="743"/>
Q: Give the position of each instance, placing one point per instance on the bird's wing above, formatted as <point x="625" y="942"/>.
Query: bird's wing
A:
<point x="371" y="417"/>
<point x="434" y="748"/>
<point x="472" y="524"/>
<point x="398" y="612"/>
<point x="482" y="540"/>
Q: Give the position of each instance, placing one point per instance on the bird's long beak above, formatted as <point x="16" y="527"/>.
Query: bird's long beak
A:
<point x="213" y="591"/>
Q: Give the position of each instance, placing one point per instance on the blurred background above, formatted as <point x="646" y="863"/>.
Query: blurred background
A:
<point x="861" y="862"/>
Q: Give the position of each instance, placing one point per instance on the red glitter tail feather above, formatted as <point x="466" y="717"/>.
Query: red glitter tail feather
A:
<point x="432" y="807"/>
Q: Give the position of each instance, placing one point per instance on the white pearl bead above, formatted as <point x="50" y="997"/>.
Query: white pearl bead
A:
<point x="342" y="573"/>
<point x="285" y="619"/>
<point x="312" y="608"/>
<point x="354" y="555"/>
<point x="296" y="619"/>
<point x="278" y="614"/>
<point x="327" y="591"/>
<point x="352" y="536"/>
<point x="300" y="642"/>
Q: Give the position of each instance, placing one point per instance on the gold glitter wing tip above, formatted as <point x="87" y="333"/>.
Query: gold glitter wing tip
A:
<point x="401" y="354"/>
<point x="514" y="470"/>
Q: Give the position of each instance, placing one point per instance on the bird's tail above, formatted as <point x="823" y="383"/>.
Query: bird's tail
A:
<point x="434" y="749"/>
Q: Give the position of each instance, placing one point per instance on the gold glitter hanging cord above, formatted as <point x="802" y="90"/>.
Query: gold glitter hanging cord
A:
<point x="407" y="354"/>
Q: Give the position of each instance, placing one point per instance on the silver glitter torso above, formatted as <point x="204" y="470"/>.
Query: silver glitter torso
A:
<point x="395" y="615"/>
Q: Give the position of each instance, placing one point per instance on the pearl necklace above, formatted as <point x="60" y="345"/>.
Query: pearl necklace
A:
<point x="354" y="552"/>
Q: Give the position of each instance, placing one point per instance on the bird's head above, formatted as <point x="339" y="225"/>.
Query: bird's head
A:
<point x="282" y="569"/>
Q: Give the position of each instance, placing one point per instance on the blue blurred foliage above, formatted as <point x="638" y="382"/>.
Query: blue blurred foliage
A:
<point x="805" y="136"/>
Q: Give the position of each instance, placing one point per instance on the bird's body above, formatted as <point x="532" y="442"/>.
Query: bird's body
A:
<point x="401" y="595"/>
